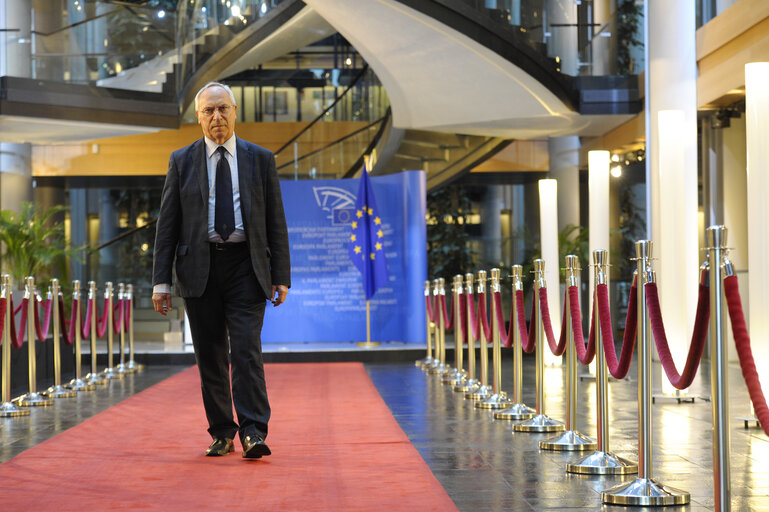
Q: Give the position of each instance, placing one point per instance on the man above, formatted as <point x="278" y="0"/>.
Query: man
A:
<point x="221" y="218"/>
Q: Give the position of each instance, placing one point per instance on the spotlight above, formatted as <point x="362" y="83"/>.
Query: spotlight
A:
<point x="615" y="158"/>
<point x="616" y="171"/>
<point x="161" y="14"/>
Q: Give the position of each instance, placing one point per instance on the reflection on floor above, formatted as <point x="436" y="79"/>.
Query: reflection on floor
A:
<point x="484" y="466"/>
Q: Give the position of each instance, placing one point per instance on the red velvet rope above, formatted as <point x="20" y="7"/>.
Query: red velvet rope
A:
<point x="559" y="348"/>
<point x="473" y="324"/>
<point x="448" y="321"/>
<point x="16" y="311"/>
<point x="429" y="306"/>
<point x="42" y="331"/>
<point x="484" y="318"/>
<point x="102" y="322"/>
<point x="68" y="326"/>
<point x="745" y="353"/>
<point x="505" y="336"/>
<point x="86" y="326"/>
<point x="3" y="305"/>
<point x="584" y="354"/>
<point x="697" y="346"/>
<point x="17" y="337"/>
<point x="618" y="369"/>
<point x="527" y="337"/>
<point x="117" y="317"/>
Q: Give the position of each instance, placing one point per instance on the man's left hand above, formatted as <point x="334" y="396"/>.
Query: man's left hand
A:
<point x="281" y="291"/>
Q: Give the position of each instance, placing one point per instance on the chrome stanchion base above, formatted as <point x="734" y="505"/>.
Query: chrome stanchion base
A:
<point x="479" y="393"/>
<point x="424" y="361"/>
<point x="10" y="410"/>
<point x="645" y="492"/>
<point x="438" y="369"/>
<point x="603" y="463"/>
<point x="113" y="374"/>
<point x="515" y="412"/>
<point x="466" y="386"/>
<point x="33" y="400"/>
<point x="495" y="401"/>
<point x="680" y="396"/>
<point x="80" y="385"/>
<point x="453" y="376"/>
<point x="133" y="366"/>
<point x="60" y="392"/>
<point x="96" y="379"/>
<point x="539" y="423"/>
<point x="569" y="441"/>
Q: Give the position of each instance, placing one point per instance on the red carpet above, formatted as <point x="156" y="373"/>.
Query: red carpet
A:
<point x="335" y="446"/>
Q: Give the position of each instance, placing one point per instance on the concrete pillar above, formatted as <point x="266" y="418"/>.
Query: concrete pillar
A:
<point x="603" y="52"/>
<point x="562" y="43"/>
<point x="491" y="226"/>
<point x="15" y="41"/>
<point x="15" y="175"/>
<point x="670" y="77"/>
<point x="78" y="230"/>
<point x="564" y="167"/>
<point x="108" y="229"/>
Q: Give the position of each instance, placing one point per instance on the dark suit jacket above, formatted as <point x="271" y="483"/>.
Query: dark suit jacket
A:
<point x="182" y="227"/>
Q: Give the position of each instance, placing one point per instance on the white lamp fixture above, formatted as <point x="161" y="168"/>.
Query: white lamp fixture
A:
<point x="548" y="229"/>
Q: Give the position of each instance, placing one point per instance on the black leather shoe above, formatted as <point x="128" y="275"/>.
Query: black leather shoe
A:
<point x="220" y="446"/>
<point x="254" y="447"/>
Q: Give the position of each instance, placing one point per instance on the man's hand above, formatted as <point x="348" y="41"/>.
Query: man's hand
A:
<point x="162" y="302"/>
<point x="281" y="291"/>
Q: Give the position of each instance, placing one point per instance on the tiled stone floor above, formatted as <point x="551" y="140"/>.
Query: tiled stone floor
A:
<point x="484" y="466"/>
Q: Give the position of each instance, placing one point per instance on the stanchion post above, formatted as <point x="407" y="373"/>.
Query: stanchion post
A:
<point x="572" y="439"/>
<point x="540" y="422"/>
<point x="481" y="391"/>
<point x="57" y="390"/>
<point x="8" y="409"/>
<point x="445" y="368"/>
<point x="517" y="410"/>
<point x="78" y="384"/>
<point x="111" y="372"/>
<point x="498" y="399"/>
<point x="133" y="366"/>
<point x="437" y="366"/>
<point x="602" y="461"/>
<point x="644" y="490"/>
<point x="121" y="367"/>
<point x="94" y="377"/>
<point x="33" y="398"/>
<point x="457" y="374"/>
<point x="428" y="359"/>
<point x="716" y="237"/>
<point x="470" y="382"/>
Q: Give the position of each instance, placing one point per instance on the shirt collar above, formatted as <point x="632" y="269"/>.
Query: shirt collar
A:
<point x="212" y="146"/>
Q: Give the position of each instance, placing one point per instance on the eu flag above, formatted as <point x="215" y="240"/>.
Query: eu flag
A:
<point x="367" y="239"/>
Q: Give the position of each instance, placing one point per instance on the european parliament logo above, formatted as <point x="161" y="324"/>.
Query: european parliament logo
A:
<point x="342" y="216"/>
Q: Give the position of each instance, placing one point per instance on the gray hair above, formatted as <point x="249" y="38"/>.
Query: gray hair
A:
<point x="214" y="84"/>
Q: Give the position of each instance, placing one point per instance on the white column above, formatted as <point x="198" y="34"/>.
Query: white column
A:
<point x="15" y="44"/>
<point x="564" y="167"/>
<point x="548" y="228"/>
<point x="756" y="128"/>
<point x="598" y="217"/>
<point x="562" y="43"/>
<point x="671" y="75"/>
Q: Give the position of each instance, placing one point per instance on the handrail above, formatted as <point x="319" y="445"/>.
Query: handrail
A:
<point x="325" y="111"/>
<point x="338" y="141"/>
<point x="125" y="235"/>
<point x="370" y="147"/>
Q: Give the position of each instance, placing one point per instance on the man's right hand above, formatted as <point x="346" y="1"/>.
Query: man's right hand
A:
<point x="162" y="302"/>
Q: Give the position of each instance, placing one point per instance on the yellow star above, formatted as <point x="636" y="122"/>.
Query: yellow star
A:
<point x="380" y="233"/>
<point x="355" y="224"/>
<point x="378" y="246"/>
<point x="357" y="249"/>
<point x="370" y="211"/>
<point x="377" y="220"/>
<point x="372" y="255"/>
<point x="359" y="214"/>
<point x="352" y="237"/>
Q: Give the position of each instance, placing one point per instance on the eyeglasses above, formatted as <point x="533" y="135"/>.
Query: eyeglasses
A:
<point x="222" y="109"/>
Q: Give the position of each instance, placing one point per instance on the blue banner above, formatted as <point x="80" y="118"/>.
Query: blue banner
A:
<point x="326" y="302"/>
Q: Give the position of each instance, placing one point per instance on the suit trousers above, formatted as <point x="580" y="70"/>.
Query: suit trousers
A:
<point x="234" y="303"/>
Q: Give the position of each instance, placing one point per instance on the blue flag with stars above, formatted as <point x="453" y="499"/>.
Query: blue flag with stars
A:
<point x="367" y="239"/>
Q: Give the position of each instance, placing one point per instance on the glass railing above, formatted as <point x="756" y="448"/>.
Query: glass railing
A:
<point x="86" y="41"/>
<point x="328" y="150"/>
<point x="581" y="38"/>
